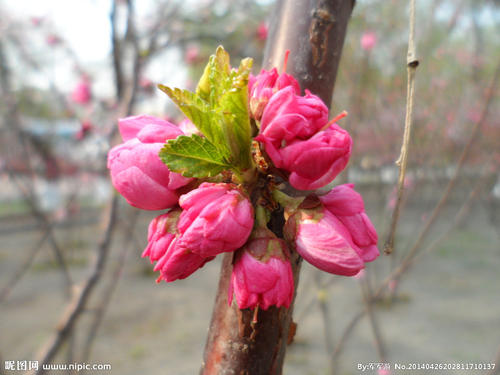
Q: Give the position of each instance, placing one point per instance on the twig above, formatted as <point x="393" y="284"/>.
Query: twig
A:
<point x="117" y="52"/>
<point x="412" y="64"/>
<point x="377" y="335"/>
<point x="322" y="298"/>
<point x="343" y="339"/>
<point x="462" y="214"/>
<point x="45" y="223"/>
<point x="23" y="268"/>
<point x="79" y="301"/>
<point x="451" y="184"/>
<point x="111" y="287"/>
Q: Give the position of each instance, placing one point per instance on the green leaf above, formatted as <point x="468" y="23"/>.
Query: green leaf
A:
<point x="193" y="156"/>
<point x="233" y="106"/>
<point x="216" y="78"/>
<point x="219" y="108"/>
<point x="200" y="113"/>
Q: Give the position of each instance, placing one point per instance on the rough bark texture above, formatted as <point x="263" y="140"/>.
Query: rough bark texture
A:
<point x="314" y="32"/>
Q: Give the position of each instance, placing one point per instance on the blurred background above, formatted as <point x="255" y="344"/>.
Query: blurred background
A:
<point x="69" y="69"/>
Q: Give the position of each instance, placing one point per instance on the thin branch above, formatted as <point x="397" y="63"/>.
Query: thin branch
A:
<point x="79" y="301"/>
<point x="4" y="293"/>
<point x="377" y="335"/>
<point x="412" y="64"/>
<point x="322" y="298"/>
<point x="116" y="51"/>
<point x="377" y="295"/>
<point x="47" y="226"/>
<point x="451" y="184"/>
<point x="111" y="287"/>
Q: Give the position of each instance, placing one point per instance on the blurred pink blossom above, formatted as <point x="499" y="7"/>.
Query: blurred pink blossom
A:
<point x="81" y="93"/>
<point x="368" y="40"/>
<point x="53" y="40"/>
<point x="146" y="84"/>
<point x="36" y="21"/>
<point x="85" y="128"/>
<point x="393" y="285"/>
<point x="474" y="115"/>
<point x="192" y="54"/>
<point x="262" y="31"/>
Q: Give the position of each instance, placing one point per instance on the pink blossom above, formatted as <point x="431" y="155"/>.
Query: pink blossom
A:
<point x="289" y="116"/>
<point x="173" y="261"/>
<point x="262" y="274"/>
<point x="161" y="232"/>
<point x="85" y="128"/>
<point x="192" y="54"/>
<point x="315" y="162"/>
<point x="262" y="31"/>
<point x="368" y="40"/>
<point x="216" y="218"/>
<point x="348" y="206"/>
<point x="264" y="85"/>
<point x="81" y="93"/>
<point x="136" y="169"/>
<point x="393" y="284"/>
<point x="36" y="21"/>
<point x="53" y="40"/>
<point x="322" y="240"/>
<point x="146" y="84"/>
<point x="178" y="262"/>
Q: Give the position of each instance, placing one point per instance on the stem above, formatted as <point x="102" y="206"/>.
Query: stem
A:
<point x="290" y="203"/>
<point x="261" y="216"/>
<point x="314" y="32"/>
<point x="402" y="161"/>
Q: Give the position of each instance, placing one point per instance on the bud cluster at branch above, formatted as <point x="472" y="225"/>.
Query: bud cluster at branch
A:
<point x="208" y="173"/>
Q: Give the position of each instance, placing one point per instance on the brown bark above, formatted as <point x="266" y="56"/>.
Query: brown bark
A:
<point x="314" y="32"/>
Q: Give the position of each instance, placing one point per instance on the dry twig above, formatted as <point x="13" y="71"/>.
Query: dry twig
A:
<point x="402" y="162"/>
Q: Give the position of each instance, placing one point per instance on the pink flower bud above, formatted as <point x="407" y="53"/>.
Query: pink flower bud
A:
<point x="178" y="262"/>
<point x="262" y="31"/>
<point x="322" y="240"/>
<point x="262" y="274"/>
<point x="289" y="116"/>
<point x="173" y="261"/>
<point x="136" y="169"/>
<point x="348" y="206"/>
<point x="216" y="218"/>
<point x="315" y="162"/>
<point x="368" y="40"/>
<point x="81" y="93"/>
<point x="161" y="232"/>
<point x="263" y="86"/>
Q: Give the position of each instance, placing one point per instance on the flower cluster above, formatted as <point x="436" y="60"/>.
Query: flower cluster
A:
<point x="213" y="190"/>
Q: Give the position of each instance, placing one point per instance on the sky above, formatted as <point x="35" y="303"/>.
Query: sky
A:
<point x="85" y="27"/>
<point x="81" y="22"/>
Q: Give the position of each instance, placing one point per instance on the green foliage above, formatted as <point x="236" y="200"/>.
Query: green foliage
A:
<point x="219" y="110"/>
<point x="193" y="156"/>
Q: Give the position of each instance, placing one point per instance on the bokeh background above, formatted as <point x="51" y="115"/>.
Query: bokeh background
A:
<point x="69" y="69"/>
